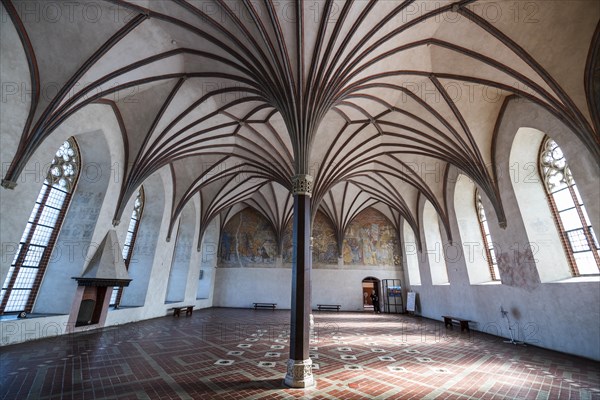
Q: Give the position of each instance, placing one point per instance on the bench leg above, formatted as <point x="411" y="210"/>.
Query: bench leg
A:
<point x="176" y="312"/>
<point x="464" y="326"/>
<point x="448" y="322"/>
<point x="189" y="311"/>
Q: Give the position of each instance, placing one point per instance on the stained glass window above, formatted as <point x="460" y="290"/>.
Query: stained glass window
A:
<point x="577" y="235"/>
<point x="35" y="247"/>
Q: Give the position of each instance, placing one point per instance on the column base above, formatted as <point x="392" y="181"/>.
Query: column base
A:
<point x="299" y="374"/>
<point x="8" y="184"/>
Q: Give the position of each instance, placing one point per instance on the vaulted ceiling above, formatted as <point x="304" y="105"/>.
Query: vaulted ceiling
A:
<point x="369" y="97"/>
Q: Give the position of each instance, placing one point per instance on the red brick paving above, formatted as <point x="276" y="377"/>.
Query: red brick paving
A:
<point x="174" y="358"/>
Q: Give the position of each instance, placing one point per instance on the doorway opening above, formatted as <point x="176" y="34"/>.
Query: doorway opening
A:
<point x="369" y="285"/>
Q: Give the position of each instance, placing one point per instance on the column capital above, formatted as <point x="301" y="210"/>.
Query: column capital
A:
<point x="302" y="184"/>
<point x="299" y="374"/>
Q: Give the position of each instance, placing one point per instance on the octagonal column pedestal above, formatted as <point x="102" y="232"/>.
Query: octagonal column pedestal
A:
<point x="299" y="366"/>
<point x="299" y="374"/>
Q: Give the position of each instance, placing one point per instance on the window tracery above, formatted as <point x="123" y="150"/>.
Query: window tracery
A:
<point x="25" y="275"/>
<point x="577" y="235"/>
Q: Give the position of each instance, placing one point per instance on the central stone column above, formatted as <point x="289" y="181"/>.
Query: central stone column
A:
<point x="299" y="367"/>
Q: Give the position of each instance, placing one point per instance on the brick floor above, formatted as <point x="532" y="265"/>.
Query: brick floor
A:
<point x="241" y="354"/>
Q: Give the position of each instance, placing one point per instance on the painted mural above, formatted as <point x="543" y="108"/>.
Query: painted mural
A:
<point x="324" y="242"/>
<point x="371" y="240"/>
<point x="286" y="252"/>
<point x="247" y="239"/>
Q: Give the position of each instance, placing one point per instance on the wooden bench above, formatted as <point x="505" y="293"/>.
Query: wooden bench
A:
<point x="177" y="310"/>
<point x="328" y="307"/>
<point x="464" y="323"/>
<point x="265" y="305"/>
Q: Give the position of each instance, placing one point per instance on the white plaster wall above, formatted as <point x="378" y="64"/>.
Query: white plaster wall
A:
<point x="74" y="240"/>
<point x="558" y="316"/>
<point x="550" y="258"/>
<point x="184" y="247"/>
<point x="163" y="253"/>
<point x="16" y="205"/>
<point x="22" y="330"/>
<point x="433" y="244"/>
<point x="151" y="249"/>
<point x="240" y="287"/>
<point x="410" y="255"/>
<point x="563" y="316"/>
<point x="32" y="328"/>
<point x="473" y="249"/>
<point x="15" y="91"/>
<point x="344" y="287"/>
<point x="196" y="256"/>
<point x="204" y="288"/>
<point x="154" y="304"/>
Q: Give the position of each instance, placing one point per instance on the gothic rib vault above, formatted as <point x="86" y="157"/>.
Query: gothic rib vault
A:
<point x="237" y="97"/>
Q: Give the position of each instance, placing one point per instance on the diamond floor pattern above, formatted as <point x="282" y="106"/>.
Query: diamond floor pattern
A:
<point x="359" y="356"/>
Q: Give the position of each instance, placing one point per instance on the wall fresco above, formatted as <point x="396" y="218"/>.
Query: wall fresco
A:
<point x="247" y="239"/>
<point x="286" y="252"/>
<point x="324" y="242"/>
<point x="371" y="240"/>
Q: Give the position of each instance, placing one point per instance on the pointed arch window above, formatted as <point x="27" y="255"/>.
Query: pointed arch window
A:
<point x="128" y="246"/>
<point x="488" y="244"/>
<point x="577" y="235"/>
<point x="25" y="275"/>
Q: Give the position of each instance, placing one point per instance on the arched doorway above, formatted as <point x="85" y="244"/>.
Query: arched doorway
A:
<point x="369" y="285"/>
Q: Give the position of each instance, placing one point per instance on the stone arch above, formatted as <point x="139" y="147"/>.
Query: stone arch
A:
<point x="517" y="139"/>
<point x="517" y="114"/>
<point x="145" y="250"/>
<point x="98" y="134"/>
<point x="473" y="247"/>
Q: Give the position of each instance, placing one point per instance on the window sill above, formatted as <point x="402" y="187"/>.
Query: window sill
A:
<point x="578" y="279"/>
<point x="13" y="317"/>
<point x="487" y="283"/>
<point x="112" y="308"/>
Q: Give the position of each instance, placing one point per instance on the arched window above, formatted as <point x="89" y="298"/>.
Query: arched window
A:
<point x="132" y="230"/>
<point x="25" y="275"/>
<point x="487" y="238"/>
<point x="574" y="226"/>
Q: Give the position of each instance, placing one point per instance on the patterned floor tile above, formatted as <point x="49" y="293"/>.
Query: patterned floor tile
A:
<point x="207" y="356"/>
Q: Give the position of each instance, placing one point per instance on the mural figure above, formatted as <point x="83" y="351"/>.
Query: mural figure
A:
<point x="249" y="238"/>
<point x="355" y="256"/>
<point x="225" y="247"/>
<point x="263" y="254"/>
<point x="371" y="240"/>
